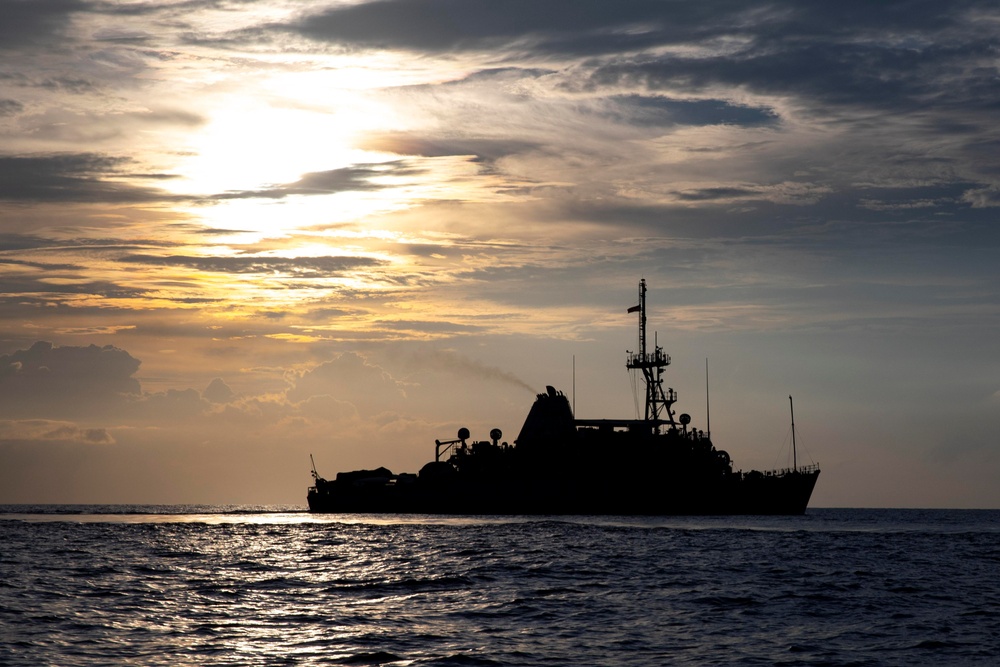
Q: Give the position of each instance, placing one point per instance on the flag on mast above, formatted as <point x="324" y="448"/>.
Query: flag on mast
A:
<point x="635" y="309"/>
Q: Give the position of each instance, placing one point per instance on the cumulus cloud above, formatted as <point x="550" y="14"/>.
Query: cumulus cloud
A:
<point x="349" y="377"/>
<point x="329" y="409"/>
<point x="173" y="404"/>
<point x="47" y="379"/>
<point x="218" y="391"/>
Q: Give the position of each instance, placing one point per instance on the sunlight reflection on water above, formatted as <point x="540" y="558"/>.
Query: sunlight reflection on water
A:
<point x="129" y="586"/>
<point x="825" y="520"/>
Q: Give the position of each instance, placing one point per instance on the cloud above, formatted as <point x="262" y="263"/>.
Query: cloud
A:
<point x="429" y="327"/>
<point x="886" y="35"/>
<point x="218" y="392"/>
<point x="789" y="193"/>
<point x="567" y="27"/>
<point x="49" y="380"/>
<point x="918" y="58"/>
<point x="171" y="405"/>
<point x="10" y="107"/>
<point x="27" y="22"/>
<point x="72" y="177"/>
<point x="302" y="267"/>
<point x="659" y="110"/>
<point x="988" y="197"/>
<point x="356" y="178"/>
<point x="42" y="430"/>
<point x="349" y="377"/>
<point x="484" y="148"/>
<point x="329" y="409"/>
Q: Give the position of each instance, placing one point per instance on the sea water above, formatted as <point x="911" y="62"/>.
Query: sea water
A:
<point x="271" y="586"/>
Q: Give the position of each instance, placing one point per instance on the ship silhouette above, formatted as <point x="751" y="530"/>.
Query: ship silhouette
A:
<point x="558" y="464"/>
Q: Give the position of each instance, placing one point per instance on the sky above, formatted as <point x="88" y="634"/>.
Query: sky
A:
<point x="237" y="233"/>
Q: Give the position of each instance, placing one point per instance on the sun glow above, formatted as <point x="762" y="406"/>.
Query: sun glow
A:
<point x="250" y="149"/>
<point x="283" y="124"/>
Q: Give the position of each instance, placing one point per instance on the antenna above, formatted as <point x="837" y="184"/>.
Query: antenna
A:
<point x="574" y="385"/>
<point x="708" y="410"/>
<point x="795" y="463"/>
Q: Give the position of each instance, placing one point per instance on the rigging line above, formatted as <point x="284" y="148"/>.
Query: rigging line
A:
<point x="635" y="390"/>
<point x="798" y="433"/>
<point x="781" y="450"/>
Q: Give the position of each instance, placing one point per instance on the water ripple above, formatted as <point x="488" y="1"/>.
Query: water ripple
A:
<point x="833" y="588"/>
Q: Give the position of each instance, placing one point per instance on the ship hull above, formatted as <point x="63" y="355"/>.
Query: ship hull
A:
<point x="776" y="494"/>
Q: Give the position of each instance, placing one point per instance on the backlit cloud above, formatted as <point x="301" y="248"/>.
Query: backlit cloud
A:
<point x="63" y="379"/>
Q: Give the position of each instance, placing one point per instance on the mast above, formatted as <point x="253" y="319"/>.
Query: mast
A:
<point x="795" y="463"/>
<point x="652" y="365"/>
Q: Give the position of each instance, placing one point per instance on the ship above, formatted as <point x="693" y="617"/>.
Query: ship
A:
<point x="656" y="464"/>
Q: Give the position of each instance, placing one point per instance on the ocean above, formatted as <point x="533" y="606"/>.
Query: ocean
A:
<point x="126" y="585"/>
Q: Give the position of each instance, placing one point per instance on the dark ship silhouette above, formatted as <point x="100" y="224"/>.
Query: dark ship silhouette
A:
<point x="558" y="464"/>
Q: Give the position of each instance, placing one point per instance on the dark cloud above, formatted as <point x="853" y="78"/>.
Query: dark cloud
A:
<point x="13" y="242"/>
<point x="27" y="22"/>
<point x="92" y="436"/>
<point x="10" y="241"/>
<point x="594" y="27"/>
<point x="484" y="149"/>
<point x="218" y="392"/>
<point x="38" y="285"/>
<point x="47" y="431"/>
<point x="50" y="380"/>
<point x="709" y="194"/>
<point x="355" y="178"/>
<point x="655" y="110"/>
<point x="72" y="85"/>
<point x="10" y="107"/>
<point x="557" y="26"/>
<point x="72" y="177"/>
<point x="301" y="267"/>
<point x="913" y="53"/>
<point x="870" y="74"/>
<point x="45" y="266"/>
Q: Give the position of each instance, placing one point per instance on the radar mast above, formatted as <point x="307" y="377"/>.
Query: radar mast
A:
<point x="652" y="364"/>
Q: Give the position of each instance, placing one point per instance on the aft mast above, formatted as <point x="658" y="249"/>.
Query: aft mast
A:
<point x="652" y="365"/>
